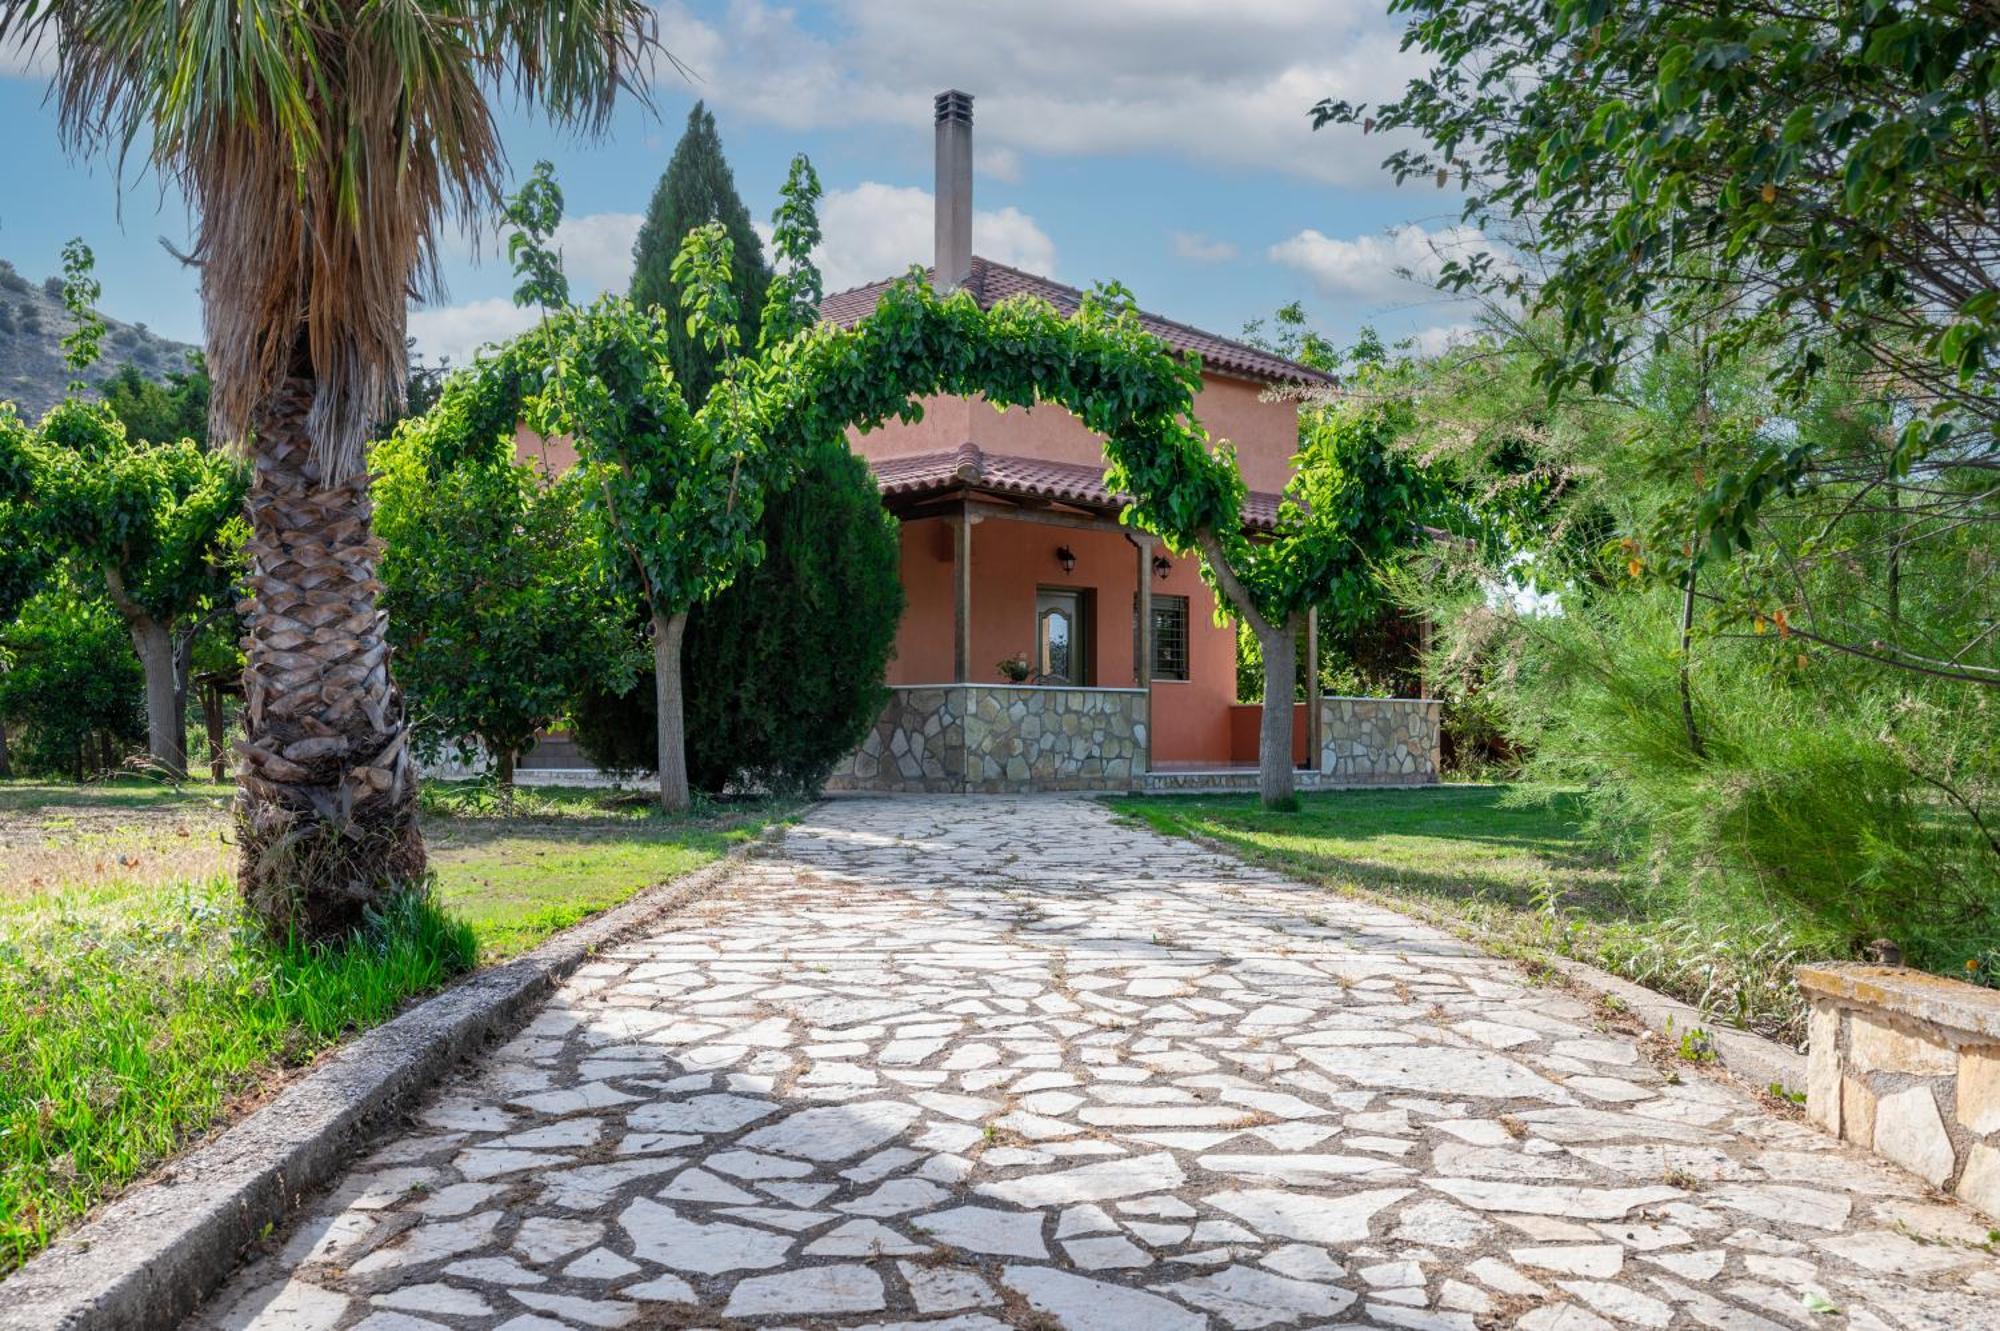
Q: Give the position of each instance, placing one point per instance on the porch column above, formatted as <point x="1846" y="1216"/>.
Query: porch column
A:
<point x="1313" y="735"/>
<point x="961" y="583"/>
<point x="1142" y="664"/>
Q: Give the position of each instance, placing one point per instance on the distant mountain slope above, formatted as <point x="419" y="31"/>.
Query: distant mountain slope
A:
<point x="32" y="324"/>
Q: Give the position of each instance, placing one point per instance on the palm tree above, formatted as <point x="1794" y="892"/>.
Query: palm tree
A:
<point x="323" y="146"/>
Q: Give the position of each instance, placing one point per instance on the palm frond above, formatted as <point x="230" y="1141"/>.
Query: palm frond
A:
<point x="325" y="145"/>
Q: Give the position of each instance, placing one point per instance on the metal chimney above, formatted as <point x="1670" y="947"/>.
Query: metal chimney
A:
<point x="954" y="190"/>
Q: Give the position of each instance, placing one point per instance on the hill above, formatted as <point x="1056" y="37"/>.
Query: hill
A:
<point x="32" y="324"/>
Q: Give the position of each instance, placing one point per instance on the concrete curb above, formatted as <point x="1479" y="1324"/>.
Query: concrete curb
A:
<point x="150" y="1257"/>
<point x="1756" y="1061"/>
<point x="1752" y="1060"/>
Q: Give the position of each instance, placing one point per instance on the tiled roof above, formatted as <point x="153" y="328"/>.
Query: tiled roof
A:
<point x="970" y="466"/>
<point x="993" y="282"/>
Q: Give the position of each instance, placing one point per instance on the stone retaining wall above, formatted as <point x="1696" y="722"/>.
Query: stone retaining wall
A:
<point x="1380" y="741"/>
<point x="996" y="739"/>
<point x="1907" y="1065"/>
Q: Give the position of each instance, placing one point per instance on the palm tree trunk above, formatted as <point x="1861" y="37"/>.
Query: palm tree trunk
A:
<point x="327" y="793"/>
<point x="1276" y="781"/>
<point x="667" y="633"/>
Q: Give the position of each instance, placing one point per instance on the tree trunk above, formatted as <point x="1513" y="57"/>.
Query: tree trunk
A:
<point x="1683" y="681"/>
<point x="1279" y="644"/>
<point x="166" y="723"/>
<point x="667" y="632"/>
<point x="1276" y="782"/>
<point x="211" y="716"/>
<point x="326" y="806"/>
<point x="6" y="759"/>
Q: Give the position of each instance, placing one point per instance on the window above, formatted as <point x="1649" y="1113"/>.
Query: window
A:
<point x="1170" y="636"/>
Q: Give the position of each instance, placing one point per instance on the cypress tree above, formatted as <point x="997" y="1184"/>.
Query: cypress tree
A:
<point x="696" y="189"/>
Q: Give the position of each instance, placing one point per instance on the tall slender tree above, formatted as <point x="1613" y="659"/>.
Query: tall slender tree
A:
<point x="696" y="189"/>
<point x="323" y="147"/>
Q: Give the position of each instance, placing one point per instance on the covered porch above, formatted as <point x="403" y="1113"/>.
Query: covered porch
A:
<point x="1046" y="646"/>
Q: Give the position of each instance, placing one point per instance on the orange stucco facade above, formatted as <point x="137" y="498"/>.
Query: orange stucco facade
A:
<point x="1013" y="560"/>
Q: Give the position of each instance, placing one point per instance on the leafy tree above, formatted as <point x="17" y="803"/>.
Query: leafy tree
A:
<point x="1810" y="183"/>
<point x="491" y="579"/>
<point x="149" y="525"/>
<point x="156" y="410"/>
<point x="533" y="214"/>
<point x="70" y="687"/>
<point x="151" y="528"/>
<point x="322" y="149"/>
<point x="81" y="293"/>
<point x="818" y="614"/>
<point x="698" y="188"/>
<point x="23" y="563"/>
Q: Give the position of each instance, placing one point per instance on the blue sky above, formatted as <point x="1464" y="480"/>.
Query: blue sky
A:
<point x="1164" y="143"/>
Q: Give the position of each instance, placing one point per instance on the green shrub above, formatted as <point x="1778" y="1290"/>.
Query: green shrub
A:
<point x="1826" y="797"/>
<point x="71" y="689"/>
<point x="783" y="672"/>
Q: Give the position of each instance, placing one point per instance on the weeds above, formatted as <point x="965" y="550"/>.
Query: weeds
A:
<point x="123" y="1029"/>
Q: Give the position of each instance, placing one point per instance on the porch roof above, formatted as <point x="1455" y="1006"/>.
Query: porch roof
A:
<point x="970" y="467"/>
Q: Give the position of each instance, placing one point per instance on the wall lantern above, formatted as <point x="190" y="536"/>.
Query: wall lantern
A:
<point x="1067" y="558"/>
<point x="1162" y="566"/>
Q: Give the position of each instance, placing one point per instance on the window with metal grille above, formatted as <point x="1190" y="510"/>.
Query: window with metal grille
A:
<point x="1170" y="636"/>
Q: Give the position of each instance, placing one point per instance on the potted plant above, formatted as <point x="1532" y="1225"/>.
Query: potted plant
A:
<point x="1015" y="669"/>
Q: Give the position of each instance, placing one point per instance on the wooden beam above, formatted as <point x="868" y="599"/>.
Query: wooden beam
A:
<point x="1314" y="738"/>
<point x="961" y="581"/>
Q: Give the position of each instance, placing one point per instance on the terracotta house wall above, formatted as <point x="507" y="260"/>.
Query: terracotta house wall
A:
<point x="1010" y="562"/>
<point x="1265" y="433"/>
<point x="947" y="423"/>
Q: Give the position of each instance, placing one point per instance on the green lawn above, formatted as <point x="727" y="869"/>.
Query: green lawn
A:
<point x="1513" y="868"/>
<point x="138" y="1008"/>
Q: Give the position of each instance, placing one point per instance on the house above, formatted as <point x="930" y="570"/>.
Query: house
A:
<point x="1014" y="561"/>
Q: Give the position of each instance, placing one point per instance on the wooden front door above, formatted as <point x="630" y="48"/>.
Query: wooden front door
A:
<point x="1062" y="648"/>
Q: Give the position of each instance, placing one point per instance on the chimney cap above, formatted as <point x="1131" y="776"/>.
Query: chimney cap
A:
<point x="954" y="105"/>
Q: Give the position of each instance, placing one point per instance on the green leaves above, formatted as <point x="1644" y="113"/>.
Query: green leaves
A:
<point x="708" y="299"/>
<point x="81" y="292"/>
<point x="532" y="215"/>
<point x="493" y="578"/>
<point x="1827" y="159"/>
<point x="160" y="518"/>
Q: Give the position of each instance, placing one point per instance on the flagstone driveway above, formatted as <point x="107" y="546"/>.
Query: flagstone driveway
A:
<point x="970" y="1064"/>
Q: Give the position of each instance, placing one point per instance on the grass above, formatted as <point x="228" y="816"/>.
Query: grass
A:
<point x="1513" y="867"/>
<point x="139" y="1008"/>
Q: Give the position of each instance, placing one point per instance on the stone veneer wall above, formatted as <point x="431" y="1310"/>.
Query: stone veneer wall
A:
<point x="997" y="739"/>
<point x="1380" y="741"/>
<point x="1907" y="1065"/>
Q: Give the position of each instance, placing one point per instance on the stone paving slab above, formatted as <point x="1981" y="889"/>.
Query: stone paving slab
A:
<point x="964" y="1064"/>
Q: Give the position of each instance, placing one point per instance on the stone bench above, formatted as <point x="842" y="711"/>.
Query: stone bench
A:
<point x="1907" y="1064"/>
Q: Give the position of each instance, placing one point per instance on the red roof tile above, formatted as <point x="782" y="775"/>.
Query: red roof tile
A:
<point x="993" y="282"/>
<point x="972" y="467"/>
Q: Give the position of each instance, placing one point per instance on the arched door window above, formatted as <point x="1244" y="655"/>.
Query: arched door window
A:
<point x="1062" y="640"/>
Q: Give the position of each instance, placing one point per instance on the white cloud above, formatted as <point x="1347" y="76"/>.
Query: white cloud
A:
<point x="874" y="231"/>
<point x="456" y="331"/>
<point x="25" y="60"/>
<point x="1202" y="248"/>
<point x="1381" y="268"/>
<point x="597" y="251"/>
<point x="1229" y="85"/>
<point x="1435" y="341"/>
<point x="1002" y="164"/>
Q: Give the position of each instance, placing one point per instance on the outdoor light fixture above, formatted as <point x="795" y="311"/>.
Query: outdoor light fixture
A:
<point x="1067" y="558"/>
<point x="1162" y="566"/>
